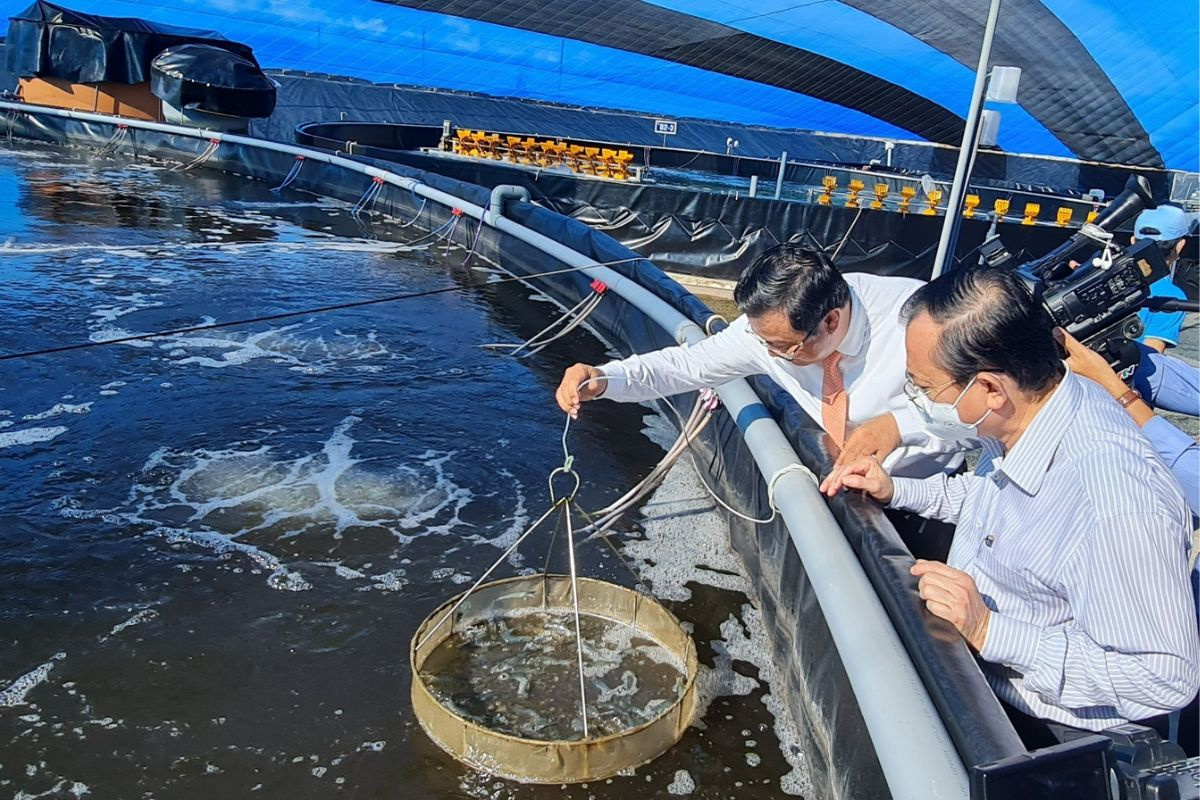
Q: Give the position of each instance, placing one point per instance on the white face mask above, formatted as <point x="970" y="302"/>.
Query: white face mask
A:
<point x="941" y="420"/>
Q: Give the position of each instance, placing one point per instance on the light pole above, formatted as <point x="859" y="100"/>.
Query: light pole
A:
<point x="1006" y="82"/>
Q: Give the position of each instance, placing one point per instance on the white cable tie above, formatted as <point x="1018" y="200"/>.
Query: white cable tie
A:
<point x="774" y="479"/>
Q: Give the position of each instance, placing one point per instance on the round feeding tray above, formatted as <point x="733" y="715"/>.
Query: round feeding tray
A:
<point x="498" y="686"/>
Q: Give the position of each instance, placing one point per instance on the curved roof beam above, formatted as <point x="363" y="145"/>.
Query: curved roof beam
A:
<point x="685" y="39"/>
<point x="1062" y="86"/>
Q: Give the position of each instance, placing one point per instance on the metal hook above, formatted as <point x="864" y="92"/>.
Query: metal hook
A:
<point x="563" y="470"/>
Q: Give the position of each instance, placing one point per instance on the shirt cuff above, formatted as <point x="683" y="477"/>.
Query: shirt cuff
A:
<point x="910" y="429"/>
<point x="614" y="388"/>
<point x="1011" y="642"/>
<point x="909" y="494"/>
<point x="1168" y="441"/>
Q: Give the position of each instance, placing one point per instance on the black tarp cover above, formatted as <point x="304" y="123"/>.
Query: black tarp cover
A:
<point x="211" y="79"/>
<point x="47" y="40"/>
<point x="308" y="98"/>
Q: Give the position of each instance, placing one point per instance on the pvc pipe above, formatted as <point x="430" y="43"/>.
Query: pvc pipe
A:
<point x="495" y="206"/>
<point x="782" y="169"/>
<point x="918" y="758"/>
<point x="915" y="751"/>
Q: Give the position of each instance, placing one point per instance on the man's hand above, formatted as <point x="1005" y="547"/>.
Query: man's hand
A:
<point x="952" y="595"/>
<point x="866" y="474"/>
<point x="1087" y="363"/>
<point x="876" y="437"/>
<point x="571" y="393"/>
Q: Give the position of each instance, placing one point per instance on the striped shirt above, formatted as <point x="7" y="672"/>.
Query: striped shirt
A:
<point x="1077" y="539"/>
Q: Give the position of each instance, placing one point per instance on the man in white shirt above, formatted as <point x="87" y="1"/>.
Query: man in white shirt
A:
<point x="834" y="342"/>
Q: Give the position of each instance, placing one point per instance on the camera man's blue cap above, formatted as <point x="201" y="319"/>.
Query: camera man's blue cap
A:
<point x="1165" y="224"/>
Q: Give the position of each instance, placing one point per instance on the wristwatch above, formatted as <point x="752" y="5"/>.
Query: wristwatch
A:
<point x="1128" y="399"/>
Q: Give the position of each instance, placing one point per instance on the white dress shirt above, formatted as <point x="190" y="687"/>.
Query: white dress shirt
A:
<point x="873" y="368"/>
<point x="1077" y="539"/>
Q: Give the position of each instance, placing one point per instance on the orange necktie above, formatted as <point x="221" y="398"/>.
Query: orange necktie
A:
<point x="834" y="402"/>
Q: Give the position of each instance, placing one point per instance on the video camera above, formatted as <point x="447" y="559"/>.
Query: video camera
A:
<point x="1093" y="286"/>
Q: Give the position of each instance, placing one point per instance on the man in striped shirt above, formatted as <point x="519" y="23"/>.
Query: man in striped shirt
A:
<point x="1068" y="572"/>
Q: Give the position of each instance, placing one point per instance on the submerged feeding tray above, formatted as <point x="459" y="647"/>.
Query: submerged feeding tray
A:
<point x="498" y="687"/>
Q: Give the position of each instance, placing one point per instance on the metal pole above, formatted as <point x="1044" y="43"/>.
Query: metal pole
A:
<point x="779" y="180"/>
<point x="575" y="603"/>
<point x="966" y="153"/>
<point x="754" y="186"/>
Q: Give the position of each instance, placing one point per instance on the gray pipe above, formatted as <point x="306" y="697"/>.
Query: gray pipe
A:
<point x="782" y="169"/>
<point x="501" y="193"/>
<point x="915" y="751"/>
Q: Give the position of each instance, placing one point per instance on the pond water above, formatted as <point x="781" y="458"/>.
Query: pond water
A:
<point x="215" y="546"/>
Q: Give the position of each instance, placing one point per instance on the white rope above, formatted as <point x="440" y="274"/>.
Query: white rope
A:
<point x="575" y="603"/>
<point x="684" y="428"/>
<point x="369" y="196"/>
<point x="205" y="155"/>
<point x="571" y="319"/>
<point x="114" y="142"/>
<point x="292" y="174"/>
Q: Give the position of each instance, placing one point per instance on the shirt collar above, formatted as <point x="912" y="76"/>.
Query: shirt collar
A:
<point x="1027" y="462"/>
<point x="859" y="331"/>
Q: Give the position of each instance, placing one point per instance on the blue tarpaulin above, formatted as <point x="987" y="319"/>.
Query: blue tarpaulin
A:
<point x="1104" y="80"/>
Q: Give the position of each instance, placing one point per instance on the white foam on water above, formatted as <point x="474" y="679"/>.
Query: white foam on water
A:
<point x="108" y="334"/>
<point x="145" y="615"/>
<point x="29" y="436"/>
<point x="73" y="788"/>
<point x="323" y="202"/>
<point x="313" y="241"/>
<point x="243" y="500"/>
<point x="132" y="303"/>
<point x="683" y="783"/>
<point x="14" y="694"/>
<point x="60" y="408"/>
<point x="314" y="354"/>
<point x="687" y="541"/>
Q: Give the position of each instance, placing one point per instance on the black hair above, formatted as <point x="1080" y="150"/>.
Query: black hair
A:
<point x="797" y="280"/>
<point x="989" y="322"/>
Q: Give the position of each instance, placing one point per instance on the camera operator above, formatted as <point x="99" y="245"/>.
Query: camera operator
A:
<point x="1068" y="572"/>
<point x="1169" y="226"/>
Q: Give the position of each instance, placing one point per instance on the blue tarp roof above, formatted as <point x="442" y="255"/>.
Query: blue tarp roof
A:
<point x="1105" y="80"/>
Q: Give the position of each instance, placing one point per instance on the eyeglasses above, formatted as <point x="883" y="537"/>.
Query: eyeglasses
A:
<point x="913" y="391"/>
<point x="791" y="352"/>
